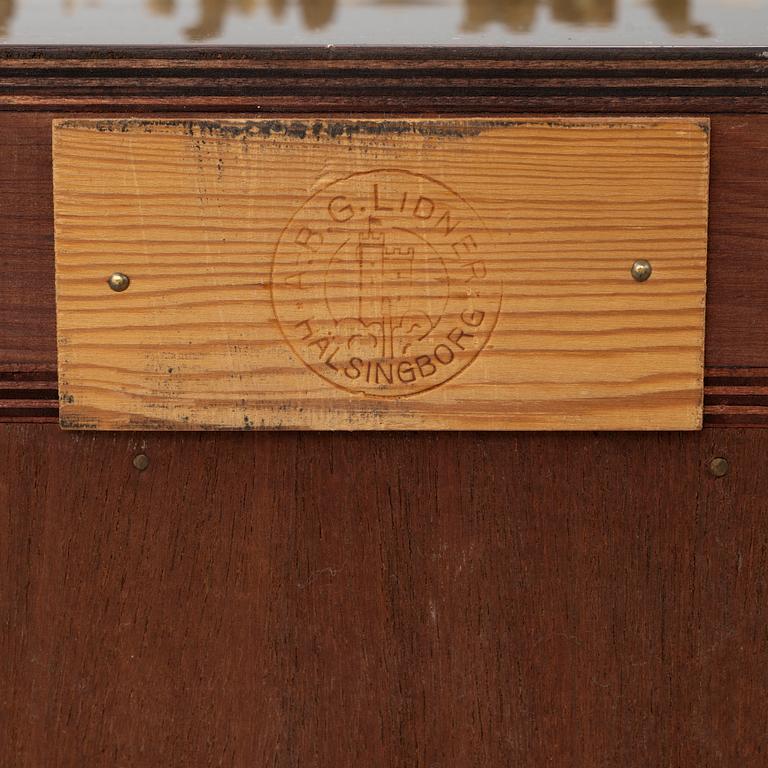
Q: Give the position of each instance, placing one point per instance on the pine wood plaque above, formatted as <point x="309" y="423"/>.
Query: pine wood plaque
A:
<point x="378" y="274"/>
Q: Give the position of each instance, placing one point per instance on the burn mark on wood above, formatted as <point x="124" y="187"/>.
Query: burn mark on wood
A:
<point x="334" y="129"/>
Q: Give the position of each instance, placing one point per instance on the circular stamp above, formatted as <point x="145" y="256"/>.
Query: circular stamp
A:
<point x="383" y="285"/>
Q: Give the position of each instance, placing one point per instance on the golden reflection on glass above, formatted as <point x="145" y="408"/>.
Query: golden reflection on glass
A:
<point x="6" y="13"/>
<point x="674" y="13"/>
<point x="315" y="14"/>
<point x="516" y="16"/>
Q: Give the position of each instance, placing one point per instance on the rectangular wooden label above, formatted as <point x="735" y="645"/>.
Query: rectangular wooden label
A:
<point x="374" y="274"/>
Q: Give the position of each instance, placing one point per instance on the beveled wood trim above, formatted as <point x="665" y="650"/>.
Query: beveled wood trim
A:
<point x="395" y="80"/>
<point x="28" y="395"/>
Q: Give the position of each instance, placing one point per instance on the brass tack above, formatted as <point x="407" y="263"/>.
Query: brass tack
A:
<point x="119" y="282"/>
<point x="719" y="466"/>
<point x="141" y="462"/>
<point x="641" y="270"/>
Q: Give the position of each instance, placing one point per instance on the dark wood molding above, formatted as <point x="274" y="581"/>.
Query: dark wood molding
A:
<point x="394" y="80"/>
<point x="736" y="397"/>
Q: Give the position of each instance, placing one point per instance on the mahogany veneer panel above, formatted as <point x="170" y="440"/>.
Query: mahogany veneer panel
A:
<point x="737" y="280"/>
<point x="27" y="296"/>
<point x="341" y="600"/>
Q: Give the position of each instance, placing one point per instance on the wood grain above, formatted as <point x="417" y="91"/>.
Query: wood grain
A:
<point x="346" y="600"/>
<point x="402" y="80"/>
<point x="468" y="274"/>
<point x="27" y="295"/>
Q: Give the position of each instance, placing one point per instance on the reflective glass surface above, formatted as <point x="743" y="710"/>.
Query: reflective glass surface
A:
<point x="386" y="22"/>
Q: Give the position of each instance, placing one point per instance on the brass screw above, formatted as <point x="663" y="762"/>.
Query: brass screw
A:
<point x="119" y="282"/>
<point x="641" y="270"/>
<point x="141" y="462"/>
<point x="719" y="466"/>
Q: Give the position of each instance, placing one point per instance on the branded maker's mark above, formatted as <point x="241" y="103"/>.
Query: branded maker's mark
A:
<point x="382" y="284"/>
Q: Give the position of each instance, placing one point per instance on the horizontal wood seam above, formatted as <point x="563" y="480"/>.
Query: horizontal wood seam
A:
<point x="732" y="397"/>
